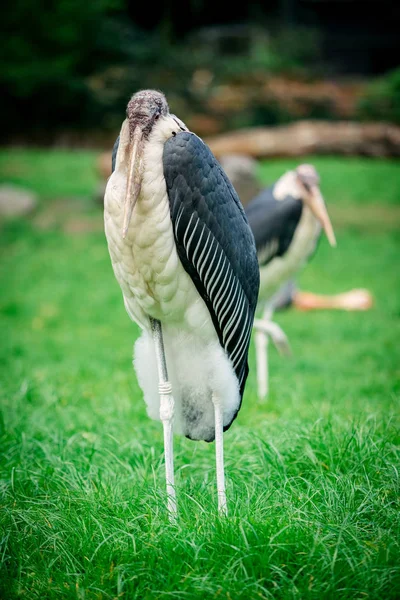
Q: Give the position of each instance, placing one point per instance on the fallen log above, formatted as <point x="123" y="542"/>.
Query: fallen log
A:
<point x="311" y="137"/>
<point x="297" y="139"/>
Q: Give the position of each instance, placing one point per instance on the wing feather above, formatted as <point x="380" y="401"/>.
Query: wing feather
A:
<point x="214" y="242"/>
<point x="273" y="223"/>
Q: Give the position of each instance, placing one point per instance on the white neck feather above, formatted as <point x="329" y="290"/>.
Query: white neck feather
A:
<point x="287" y="185"/>
<point x="163" y="129"/>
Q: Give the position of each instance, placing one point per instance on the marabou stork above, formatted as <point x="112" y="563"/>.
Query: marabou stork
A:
<point x="286" y="220"/>
<point x="185" y="258"/>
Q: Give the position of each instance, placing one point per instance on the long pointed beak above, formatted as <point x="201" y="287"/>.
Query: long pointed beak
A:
<point x="317" y="205"/>
<point x="135" y="172"/>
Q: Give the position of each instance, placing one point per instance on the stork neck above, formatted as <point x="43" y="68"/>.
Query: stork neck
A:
<point x="163" y="129"/>
<point x="287" y="186"/>
<point x="309" y="223"/>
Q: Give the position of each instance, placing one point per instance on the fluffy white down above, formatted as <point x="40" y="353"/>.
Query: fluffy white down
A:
<point x="196" y="371"/>
<point x="154" y="283"/>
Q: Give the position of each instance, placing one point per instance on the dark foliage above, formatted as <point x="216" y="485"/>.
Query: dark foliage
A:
<point x="382" y="99"/>
<point x="49" y="61"/>
<point x="73" y="65"/>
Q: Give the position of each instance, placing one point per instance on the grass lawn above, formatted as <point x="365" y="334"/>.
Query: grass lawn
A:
<point x="312" y="474"/>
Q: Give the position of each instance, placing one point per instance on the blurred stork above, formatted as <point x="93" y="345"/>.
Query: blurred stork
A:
<point x="286" y="220"/>
<point x="184" y="256"/>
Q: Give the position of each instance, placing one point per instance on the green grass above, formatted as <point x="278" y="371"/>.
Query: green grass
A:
<point x="312" y="474"/>
<point x="57" y="174"/>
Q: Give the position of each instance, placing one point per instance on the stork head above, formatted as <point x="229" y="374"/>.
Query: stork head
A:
<point x="143" y="111"/>
<point x="308" y="181"/>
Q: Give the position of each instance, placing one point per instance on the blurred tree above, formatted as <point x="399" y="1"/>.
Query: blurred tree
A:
<point x="48" y="55"/>
<point x="381" y="101"/>
<point x="68" y="65"/>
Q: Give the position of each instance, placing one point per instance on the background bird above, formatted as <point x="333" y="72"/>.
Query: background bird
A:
<point x="286" y="220"/>
<point x="184" y="256"/>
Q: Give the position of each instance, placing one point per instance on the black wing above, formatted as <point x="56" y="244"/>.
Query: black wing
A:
<point x="214" y="242"/>
<point x="114" y="155"/>
<point x="273" y="223"/>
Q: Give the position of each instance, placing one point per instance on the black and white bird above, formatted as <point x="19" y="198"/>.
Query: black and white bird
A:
<point x="286" y="220"/>
<point x="185" y="258"/>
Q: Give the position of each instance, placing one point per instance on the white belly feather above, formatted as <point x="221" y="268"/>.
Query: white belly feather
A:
<point x="154" y="283"/>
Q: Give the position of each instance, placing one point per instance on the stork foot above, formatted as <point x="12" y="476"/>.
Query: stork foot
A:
<point x="276" y="333"/>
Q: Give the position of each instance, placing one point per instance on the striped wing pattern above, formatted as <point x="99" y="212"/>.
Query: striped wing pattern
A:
<point x="214" y="243"/>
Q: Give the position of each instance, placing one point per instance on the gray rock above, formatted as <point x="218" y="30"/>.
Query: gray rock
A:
<point x="241" y="170"/>
<point x="16" y="201"/>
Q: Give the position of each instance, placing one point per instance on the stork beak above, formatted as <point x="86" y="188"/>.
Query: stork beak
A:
<point x="317" y="205"/>
<point x="135" y="173"/>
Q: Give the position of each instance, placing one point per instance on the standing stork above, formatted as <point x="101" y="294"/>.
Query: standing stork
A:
<point x="286" y="220"/>
<point x="184" y="256"/>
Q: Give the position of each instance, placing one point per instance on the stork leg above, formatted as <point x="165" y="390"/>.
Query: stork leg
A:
<point x="219" y="456"/>
<point x="261" y="341"/>
<point x="265" y="327"/>
<point x="166" y="415"/>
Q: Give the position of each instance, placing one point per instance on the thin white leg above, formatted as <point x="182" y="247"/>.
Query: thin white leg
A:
<point x="265" y="329"/>
<point x="166" y="415"/>
<point x="219" y="456"/>
<point x="261" y="342"/>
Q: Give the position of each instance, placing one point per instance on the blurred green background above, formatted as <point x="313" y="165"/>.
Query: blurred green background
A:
<point x="312" y="473"/>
